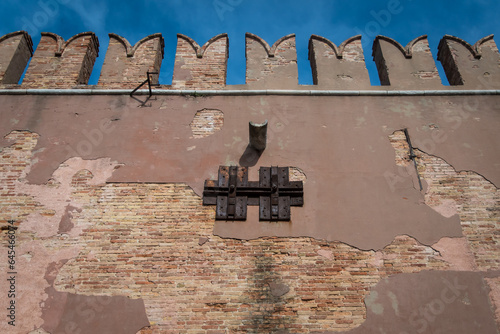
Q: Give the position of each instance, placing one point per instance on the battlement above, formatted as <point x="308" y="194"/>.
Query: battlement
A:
<point x="60" y="64"/>
<point x="341" y="67"/>
<point x="68" y="64"/>
<point x="410" y="67"/>
<point x="16" y="50"/>
<point x="201" y="67"/>
<point x="473" y="66"/>
<point x="125" y="65"/>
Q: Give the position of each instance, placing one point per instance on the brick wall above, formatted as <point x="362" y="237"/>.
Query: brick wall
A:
<point x="145" y="242"/>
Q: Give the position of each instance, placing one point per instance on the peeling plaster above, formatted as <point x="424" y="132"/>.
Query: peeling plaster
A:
<point x="339" y="181"/>
<point x="32" y="292"/>
<point x="452" y="252"/>
<point x="38" y="261"/>
<point x="466" y="194"/>
<point x="102" y="314"/>
<point x="56" y="195"/>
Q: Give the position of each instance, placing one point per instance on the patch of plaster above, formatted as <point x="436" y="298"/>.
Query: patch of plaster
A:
<point x="494" y="284"/>
<point x="278" y="289"/>
<point x="202" y="241"/>
<point x="446" y="207"/>
<point x="325" y="253"/>
<point x="428" y="302"/>
<point x="206" y="122"/>
<point x="102" y="314"/>
<point x="457" y="253"/>
<point x="372" y="304"/>
<point x="32" y="284"/>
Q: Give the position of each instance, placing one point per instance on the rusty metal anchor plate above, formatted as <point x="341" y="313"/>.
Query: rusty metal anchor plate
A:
<point x="274" y="193"/>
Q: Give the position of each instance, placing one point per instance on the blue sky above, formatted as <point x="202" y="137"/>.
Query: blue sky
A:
<point x="336" y="20"/>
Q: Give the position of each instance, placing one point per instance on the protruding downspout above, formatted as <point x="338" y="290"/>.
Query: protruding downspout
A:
<point x="258" y="135"/>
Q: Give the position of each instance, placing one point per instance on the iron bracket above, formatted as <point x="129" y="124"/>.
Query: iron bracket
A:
<point x="147" y="81"/>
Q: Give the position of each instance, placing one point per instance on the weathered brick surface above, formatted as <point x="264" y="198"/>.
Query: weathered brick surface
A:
<point x="206" y="122"/>
<point x="125" y="66"/>
<point x="200" y="67"/>
<point x="15" y="51"/>
<point x="410" y="67"/>
<point x="59" y="64"/>
<point x="468" y="194"/>
<point x="145" y="242"/>
<point x="271" y="67"/>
